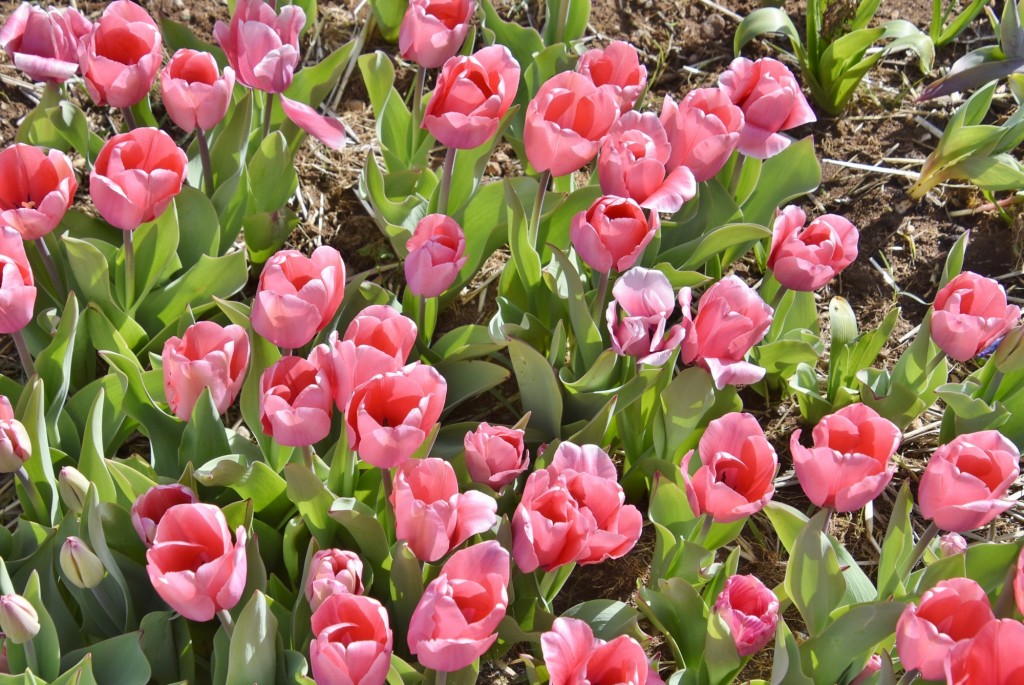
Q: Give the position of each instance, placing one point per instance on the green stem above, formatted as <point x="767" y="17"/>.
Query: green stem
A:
<point x="825" y="524"/>
<point x="777" y="297"/>
<point x="737" y="172"/>
<point x="563" y="19"/>
<point x="129" y="118"/>
<point x="227" y="622"/>
<point x="993" y="386"/>
<point x="538" y="206"/>
<point x="602" y="292"/>
<point x="440" y="677"/>
<point x="417" y="106"/>
<point x="933" y="364"/>
<point x="389" y="512"/>
<point x="421" y="319"/>
<point x="129" y="270"/>
<point x="30" y="656"/>
<point x="705" y="529"/>
<point x="446" y="181"/>
<point x="204" y="155"/>
<point x="307" y="457"/>
<point x="24" y="354"/>
<point x="51" y="268"/>
<point x="268" y="111"/>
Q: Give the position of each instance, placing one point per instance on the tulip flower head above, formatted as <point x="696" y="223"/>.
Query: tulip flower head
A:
<point x="970" y="314"/>
<point x="121" y="55"/>
<point x="806" y="258"/>
<point x="17" y="284"/>
<point x="353" y="641"/>
<point x="432" y="31"/>
<point x="194" y="91"/>
<point x="44" y="43"/>
<point x="36" y="189"/>
<point x="617" y="70"/>
<point x="750" y="610"/>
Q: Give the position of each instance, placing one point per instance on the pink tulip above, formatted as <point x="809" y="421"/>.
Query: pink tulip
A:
<point x="436" y="255"/>
<point x="457" y="617"/>
<point x="353" y="641"/>
<point x="121" y="55"/>
<point x="565" y="122"/>
<point x="873" y="666"/>
<point x="589" y="459"/>
<point x="433" y="31"/>
<point x="771" y="101"/>
<point x="193" y="565"/>
<point x="616" y="70"/>
<point x="391" y="415"/>
<point x="17" y="285"/>
<point x="646" y="298"/>
<point x="431" y="516"/>
<point x="738" y="465"/>
<point x="333" y="572"/>
<point x="150" y="507"/>
<point x="136" y="175"/>
<point x="44" y="43"/>
<point x="210" y="356"/>
<point x="731" y="319"/>
<point x="495" y="455"/>
<point x="993" y="657"/>
<point x="472" y="95"/>
<point x="298" y="296"/>
<point x="573" y="655"/>
<point x="703" y="130"/>
<point x="194" y="91"/>
<point x="1018" y="582"/>
<point x="36" y="189"/>
<point x="750" y="610"/>
<point x="15" y="445"/>
<point x="384" y="329"/>
<point x="261" y="44"/>
<point x="951" y="544"/>
<point x="805" y="259"/>
<point x="613" y="233"/>
<point x="295" y="402"/>
<point x="970" y="314"/>
<point x="952" y="611"/>
<point x="634" y="163"/>
<point x="850" y="462"/>
<point x="964" y="482"/>
<point x="549" y="529"/>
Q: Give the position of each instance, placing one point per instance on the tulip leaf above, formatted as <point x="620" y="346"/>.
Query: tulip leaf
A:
<point x="766" y="20"/>
<point x="89" y="266"/>
<point x="986" y="563"/>
<point x="199" y="226"/>
<point x="389" y="14"/>
<point x="521" y="41"/>
<point x="362" y="523"/>
<point x="166" y="644"/>
<point x="178" y="36"/>
<point x="204" y="437"/>
<point x="313" y="501"/>
<point x="41" y="505"/>
<point x="720" y="655"/>
<point x="312" y="84"/>
<point x="898" y="545"/>
<point x="252" y="656"/>
<point x="538" y="388"/>
<point x="682" y="405"/>
<point x="81" y="674"/>
<point x="272" y="176"/>
<point x="608" y="618"/>
<point x="814" y="580"/>
<point x="116" y="661"/>
<point x="469" y="378"/>
<point x="229" y="146"/>
<point x="406" y="576"/>
<point x="156" y="246"/>
<point x="255" y="481"/>
<point x="210" y="277"/>
<point x="677" y="610"/>
<point x="793" y="172"/>
<point x="53" y="363"/>
<point x="575" y="19"/>
<point x="786" y="662"/>
<point x="91" y="461"/>
<point x="115" y="594"/>
<point x="849" y="640"/>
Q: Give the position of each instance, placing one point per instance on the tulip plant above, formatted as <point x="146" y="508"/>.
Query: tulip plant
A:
<point x="319" y="480"/>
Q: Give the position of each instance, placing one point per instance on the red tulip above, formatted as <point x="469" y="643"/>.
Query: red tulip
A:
<point x="261" y="44"/>
<point x="472" y="95"/>
<point x="44" y="43"/>
<point x="436" y="255"/>
<point x="646" y="298"/>
<point x="210" y="356"/>
<point x="750" y="610"/>
<point x="353" y="641"/>
<point x="15" y="445"/>
<point x="150" y="507"/>
<point x="964" y="483"/>
<point x="36" y="189"/>
<point x="573" y="655"/>
<point x="850" y="462"/>
<point x="136" y="175"/>
<point x="121" y="55"/>
<point x="971" y="314"/>
<point x="194" y="91"/>
<point x="952" y="611"/>
<point x="565" y="122"/>
<point x="295" y="402"/>
<point x="432" y="31"/>
<point x="738" y="465"/>
<point x="731" y="318"/>
<point x="703" y="130"/>
<point x="805" y="259"/>
<point x="193" y="565"/>
<point x="17" y="285"/>
<point x="616" y="70"/>
<point x="298" y="296"/>
<point x="495" y="455"/>
<point x="333" y="572"/>
<point x="457" y="617"/>
<point x="613" y="233"/>
<point x="993" y="657"/>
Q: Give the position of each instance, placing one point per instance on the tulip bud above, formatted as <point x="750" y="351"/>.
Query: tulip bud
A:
<point x="73" y="487"/>
<point x="18" y="618"/>
<point x="952" y="544"/>
<point x="80" y="564"/>
<point x="1009" y="354"/>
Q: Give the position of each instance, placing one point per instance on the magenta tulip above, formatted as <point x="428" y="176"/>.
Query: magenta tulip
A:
<point x="150" y="507"/>
<point x="333" y="572"/>
<point x="432" y="31"/>
<point x="210" y="356"/>
<point x="573" y="655"/>
<point x="17" y="285"/>
<point x="436" y="255"/>
<point x="353" y="641"/>
<point x="750" y="610"/>
<point x="703" y="130"/>
<point x="993" y="657"/>
<point x="121" y="55"/>
<point x="36" y="189"/>
<point x="971" y="314"/>
<point x="295" y="402"/>
<point x="495" y="455"/>
<point x="44" y="43"/>
<point x="806" y="258"/>
<point x="616" y="70"/>
<point x="194" y="91"/>
<point x="613" y="233"/>
<point x="647" y="302"/>
<point x="15" y="444"/>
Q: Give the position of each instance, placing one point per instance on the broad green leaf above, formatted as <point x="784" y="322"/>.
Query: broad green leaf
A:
<point x="765" y="20"/>
<point x="538" y="388"/>
<point x="898" y="544"/>
<point x="252" y="656"/>
<point x="469" y="378"/>
<point x="117" y="661"/>
<point x="850" y="640"/>
<point x="813" y="579"/>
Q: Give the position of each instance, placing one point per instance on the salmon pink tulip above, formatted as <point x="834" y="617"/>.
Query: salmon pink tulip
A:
<point x="495" y="455"/>
<point x="703" y="130"/>
<point x="333" y="572"/>
<point x="295" y="402"/>
<point x="353" y="641"/>
<point x="617" y="70"/>
<point x="36" y="189"/>
<point x="613" y="233"/>
<point x="121" y="55"/>
<point x="993" y="657"/>
<point x="194" y="91"/>
<point x="17" y="285"/>
<point x="750" y="610"/>
<point x="44" y="43"/>
<point x="436" y="254"/>
<point x="150" y="507"/>
<point x="806" y="258"/>
<point x="573" y="655"/>
<point x="210" y="356"/>
<point x="970" y="314"/>
<point x="646" y="299"/>
<point x="433" y="31"/>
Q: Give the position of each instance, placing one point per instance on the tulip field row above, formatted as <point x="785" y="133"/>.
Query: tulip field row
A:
<point x="235" y="458"/>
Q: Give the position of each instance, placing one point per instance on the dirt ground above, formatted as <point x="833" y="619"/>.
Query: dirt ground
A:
<point x="686" y="44"/>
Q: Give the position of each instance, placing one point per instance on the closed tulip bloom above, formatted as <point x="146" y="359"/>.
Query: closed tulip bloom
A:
<point x="261" y="44"/>
<point x="993" y="657"/>
<point x="136" y="175"/>
<point x="433" y="31"/>
<point x="437" y="252"/>
<point x="17" y="285"/>
<point x="873" y="666"/>
<point x="548" y="528"/>
<point x="970" y="314"/>
<point x="15" y="445"/>
<point x="965" y="481"/>
<point x="295" y="402"/>
<point x="333" y="572"/>
<point x="150" y="507"/>
<point x="36" y="189"/>
<point x="44" y="43"/>
<point x="298" y="296"/>
<point x="573" y="655"/>
<point x="18" y="619"/>
<point x="383" y="328"/>
<point x="565" y="122"/>
<point x="431" y="515"/>
<point x="952" y="611"/>
<point x="456" y="619"/>
<point x="731" y="318"/>
<point x="495" y="455"/>
<point x="472" y="95"/>
<point x="616" y="70"/>
<point x="81" y="567"/>
<point x="750" y="610"/>
<point x="613" y="233"/>
<point x="952" y="544"/>
<point x="805" y="259"/>
<point x="703" y="130"/>
<point x="73" y="488"/>
<point x="850" y="462"/>
<point x="346" y="366"/>
<point x="736" y="472"/>
<point x="194" y="91"/>
<point x="210" y="356"/>
<point x="121" y="55"/>
<point x="391" y="415"/>
<point x="771" y="101"/>
<point x="634" y="163"/>
<point x="193" y="565"/>
<point x="353" y="641"/>
<point x="647" y="302"/>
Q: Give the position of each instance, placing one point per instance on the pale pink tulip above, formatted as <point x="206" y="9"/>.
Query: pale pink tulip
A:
<point x="36" y="189"/>
<point x="616" y="70"/>
<point x="436" y="255"/>
<point x="121" y="55"/>
<point x="573" y="656"/>
<point x="333" y="572"/>
<point x="970" y="314"/>
<point x="44" y="43"/>
<point x="210" y="356"/>
<point x="495" y="455"/>
<point x="15" y="444"/>
<point x="17" y="285"/>
<point x="262" y="45"/>
<point x="548" y="528"/>
<point x="647" y="302"/>
<point x="18" y="619"/>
